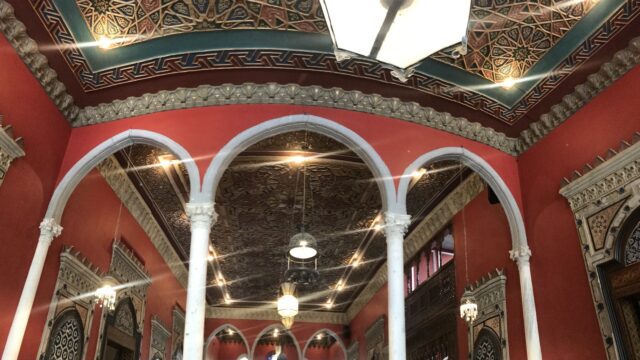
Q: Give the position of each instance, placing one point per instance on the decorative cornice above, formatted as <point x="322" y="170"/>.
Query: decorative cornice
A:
<point x="49" y="229"/>
<point x="272" y="93"/>
<point x="396" y="223"/>
<point x="520" y="255"/>
<point x="271" y="314"/>
<point x="201" y="214"/>
<point x="159" y="337"/>
<point x="132" y="200"/>
<point x="604" y="175"/>
<point x="623" y="61"/>
<point x="27" y="48"/>
<point x="440" y="216"/>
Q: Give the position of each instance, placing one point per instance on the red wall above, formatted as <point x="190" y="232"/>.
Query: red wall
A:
<point x="489" y="242"/>
<point x="375" y="308"/>
<point x="89" y="224"/>
<point x="30" y="181"/>
<point x="566" y="315"/>
<point x="217" y="350"/>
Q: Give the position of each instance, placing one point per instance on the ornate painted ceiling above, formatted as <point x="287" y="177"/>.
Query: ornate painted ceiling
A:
<point x="259" y="206"/>
<point x="550" y="46"/>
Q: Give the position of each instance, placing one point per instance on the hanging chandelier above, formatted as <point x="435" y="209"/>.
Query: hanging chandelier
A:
<point x="468" y="307"/>
<point x="106" y="294"/>
<point x="287" y="304"/>
<point x="400" y="33"/>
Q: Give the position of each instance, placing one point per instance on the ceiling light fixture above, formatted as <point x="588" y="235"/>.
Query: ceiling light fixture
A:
<point x="508" y="83"/>
<point x="165" y="160"/>
<point x="400" y="33"/>
<point x="287" y="304"/>
<point x="329" y="304"/>
<point x="418" y="174"/>
<point x="297" y="159"/>
<point x="105" y="42"/>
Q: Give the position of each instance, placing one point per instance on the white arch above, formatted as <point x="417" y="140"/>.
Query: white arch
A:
<point x="520" y="249"/>
<point x="81" y="168"/>
<point x="222" y="328"/>
<point x="331" y="333"/>
<point x="280" y="328"/>
<point x="298" y="122"/>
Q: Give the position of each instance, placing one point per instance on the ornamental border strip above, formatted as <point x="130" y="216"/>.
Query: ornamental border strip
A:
<point x="226" y="59"/>
<point x="272" y="93"/>
<point x="215" y="312"/>
<point x="27" y="48"/>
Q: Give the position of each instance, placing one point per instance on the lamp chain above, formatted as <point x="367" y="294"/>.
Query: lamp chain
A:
<point x="464" y="234"/>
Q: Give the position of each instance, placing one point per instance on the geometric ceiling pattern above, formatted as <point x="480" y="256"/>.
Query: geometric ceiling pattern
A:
<point x="508" y="38"/>
<point x="259" y="207"/>
<point x="136" y="21"/>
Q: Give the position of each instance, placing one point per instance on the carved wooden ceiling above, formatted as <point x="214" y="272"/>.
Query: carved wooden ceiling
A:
<point x="551" y="45"/>
<point x="259" y="203"/>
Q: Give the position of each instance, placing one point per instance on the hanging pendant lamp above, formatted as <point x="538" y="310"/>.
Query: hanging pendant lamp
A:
<point x="468" y="304"/>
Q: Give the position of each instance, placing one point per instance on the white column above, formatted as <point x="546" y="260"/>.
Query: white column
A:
<point x="49" y="229"/>
<point x="202" y="216"/>
<point x="395" y="226"/>
<point x="532" y="338"/>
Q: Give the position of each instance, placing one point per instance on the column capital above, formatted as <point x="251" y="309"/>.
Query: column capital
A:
<point x="520" y="254"/>
<point x="49" y="229"/>
<point x="201" y="214"/>
<point x="396" y="223"/>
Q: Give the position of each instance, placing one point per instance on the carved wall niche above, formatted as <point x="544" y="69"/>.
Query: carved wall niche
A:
<point x="71" y="309"/>
<point x="374" y="337"/>
<point x="177" y="336"/>
<point x="10" y="149"/>
<point x="603" y="200"/>
<point x="128" y="317"/>
<point x="488" y="335"/>
<point x="159" y="339"/>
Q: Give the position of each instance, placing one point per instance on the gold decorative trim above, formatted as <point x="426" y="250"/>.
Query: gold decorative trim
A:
<point x="439" y="217"/>
<point x="326" y="317"/>
<point x="132" y="200"/>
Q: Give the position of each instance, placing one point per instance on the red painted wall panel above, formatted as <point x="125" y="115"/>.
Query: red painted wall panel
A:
<point x="489" y="241"/>
<point x="89" y="225"/>
<point x="30" y="181"/>
<point x="374" y="309"/>
<point x="566" y="315"/>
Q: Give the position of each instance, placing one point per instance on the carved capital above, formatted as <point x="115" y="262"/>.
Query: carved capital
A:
<point x="521" y="255"/>
<point x="396" y="223"/>
<point x="201" y="214"/>
<point x="49" y="229"/>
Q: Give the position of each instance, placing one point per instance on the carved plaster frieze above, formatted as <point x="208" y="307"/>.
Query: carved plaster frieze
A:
<point x="10" y="149"/>
<point x="272" y="93"/>
<point x="604" y="176"/>
<point x="177" y="332"/>
<point x="491" y="297"/>
<point x="77" y="281"/>
<point x="27" y="48"/>
<point x="132" y="200"/>
<point x="602" y="199"/>
<point x="439" y="217"/>
<point x="623" y="61"/>
<point x="215" y="312"/>
<point x="128" y="269"/>
<point x="159" y="338"/>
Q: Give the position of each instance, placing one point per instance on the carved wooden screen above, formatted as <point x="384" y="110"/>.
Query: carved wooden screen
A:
<point x="488" y="346"/>
<point x="67" y="337"/>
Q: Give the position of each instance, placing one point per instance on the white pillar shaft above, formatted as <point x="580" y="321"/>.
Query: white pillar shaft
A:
<point x="395" y="228"/>
<point x="532" y="338"/>
<point x="395" y="275"/>
<point x="201" y="219"/>
<point x="48" y="230"/>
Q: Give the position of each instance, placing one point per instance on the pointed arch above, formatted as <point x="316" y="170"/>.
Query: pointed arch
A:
<point x="221" y="328"/>
<point x="110" y="146"/>
<point x="331" y="333"/>
<point x="312" y="123"/>
<point x="280" y="328"/>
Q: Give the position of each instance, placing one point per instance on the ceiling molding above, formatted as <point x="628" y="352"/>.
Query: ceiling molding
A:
<point x="623" y="61"/>
<point x="271" y="314"/>
<point x="118" y="180"/>
<point x="272" y="93"/>
<point x="27" y="48"/>
<point x="420" y="236"/>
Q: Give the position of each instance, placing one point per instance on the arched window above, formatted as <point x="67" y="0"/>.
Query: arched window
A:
<point x="487" y="346"/>
<point x="122" y="338"/>
<point x="67" y="337"/>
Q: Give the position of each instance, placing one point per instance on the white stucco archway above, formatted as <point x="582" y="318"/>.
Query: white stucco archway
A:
<point x="280" y="328"/>
<point x="298" y="122"/>
<point x="332" y="334"/>
<point x="118" y="142"/>
<point x="520" y="249"/>
<point x="222" y="328"/>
